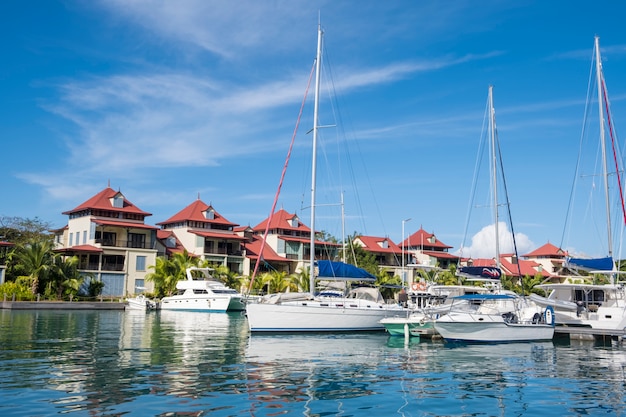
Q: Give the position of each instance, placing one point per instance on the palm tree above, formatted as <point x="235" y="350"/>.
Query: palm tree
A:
<point x="35" y="260"/>
<point x="300" y="279"/>
<point x="277" y="281"/>
<point x="64" y="277"/>
<point x="167" y="272"/>
<point x="230" y="278"/>
<point x="387" y="282"/>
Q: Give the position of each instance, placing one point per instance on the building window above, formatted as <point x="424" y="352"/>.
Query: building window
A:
<point x="136" y="240"/>
<point x="71" y="239"/>
<point x="84" y="237"/>
<point x="106" y="238"/>
<point x="141" y="263"/>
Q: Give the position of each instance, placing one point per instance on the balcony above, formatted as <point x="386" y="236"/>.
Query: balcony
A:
<point x="107" y="266"/>
<point x="123" y="244"/>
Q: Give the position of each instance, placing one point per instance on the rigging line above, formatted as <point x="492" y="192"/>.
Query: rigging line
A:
<point x="578" y="160"/>
<point x="508" y="208"/>
<point x="477" y="163"/>
<point x="282" y="177"/>
<point x="617" y="170"/>
<point x="339" y="116"/>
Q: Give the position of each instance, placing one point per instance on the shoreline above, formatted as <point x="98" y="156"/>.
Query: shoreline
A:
<point x="61" y="305"/>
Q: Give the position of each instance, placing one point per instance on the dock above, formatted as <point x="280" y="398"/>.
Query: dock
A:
<point x="589" y="333"/>
<point x="61" y="305"/>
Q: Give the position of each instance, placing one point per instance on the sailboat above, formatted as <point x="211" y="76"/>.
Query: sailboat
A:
<point x="360" y="309"/>
<point x="502" y="316"/>
<point x="594" y="309"/>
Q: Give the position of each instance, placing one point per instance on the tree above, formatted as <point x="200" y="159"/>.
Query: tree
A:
<point x="167" y="272"/>
<point x="388" y="283"/>
<point x="63" y="278"/>
<point x="21" y="231"/>
<point x="277" y="281"/>
<point x="34" y="259"/>
<point x="356" y="255"/>
<point x="230" y="278"/>
<point x="300" y="279"/>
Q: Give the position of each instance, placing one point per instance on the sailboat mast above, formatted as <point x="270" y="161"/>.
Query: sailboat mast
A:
<point x="318" y="62"/>
<point x="494" y="172"/>
<point x="603" y="144"/>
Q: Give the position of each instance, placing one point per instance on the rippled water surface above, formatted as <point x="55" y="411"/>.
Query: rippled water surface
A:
<point x="111" y="363"/>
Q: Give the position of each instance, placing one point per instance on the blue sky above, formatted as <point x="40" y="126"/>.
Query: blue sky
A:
<point x="170" y="100"/>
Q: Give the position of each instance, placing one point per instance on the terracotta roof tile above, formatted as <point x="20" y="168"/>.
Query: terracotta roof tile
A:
<point x="547" y="250"/>
<point x="376" y="244"/>
<point x="422" y="237"/>
<point x="102" y="201"/>
<point x="280" y="220"/>
<point x="196" y="212"/>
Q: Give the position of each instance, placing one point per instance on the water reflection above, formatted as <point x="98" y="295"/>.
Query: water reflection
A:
<point x="114" y="363"/>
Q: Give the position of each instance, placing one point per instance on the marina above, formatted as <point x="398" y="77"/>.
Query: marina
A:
<point x="195" y="363"/>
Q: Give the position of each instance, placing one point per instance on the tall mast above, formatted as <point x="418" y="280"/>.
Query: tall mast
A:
<point x="599" y="77"/>
<point x="318" y="62"/>
<point x="494" y="172"/>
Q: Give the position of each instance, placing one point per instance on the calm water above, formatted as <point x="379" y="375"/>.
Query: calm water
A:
<point x="195" y="364"/>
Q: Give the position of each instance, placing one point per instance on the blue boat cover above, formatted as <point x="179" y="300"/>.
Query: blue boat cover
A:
<point x="485" y="272"/>
<point x="595" y="264"/>
<point x="484" y="297"/>
<point x="343" y="271"/>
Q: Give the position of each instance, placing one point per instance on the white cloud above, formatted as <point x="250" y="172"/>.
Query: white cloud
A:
<point x="484" y="243"/>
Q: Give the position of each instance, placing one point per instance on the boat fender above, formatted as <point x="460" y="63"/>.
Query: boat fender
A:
<point x="418" y="286"/>
<point x="548" y="315"/>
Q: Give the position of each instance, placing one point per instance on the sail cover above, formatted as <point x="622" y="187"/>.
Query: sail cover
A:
<point x="483" y="272"/>
<point x="343" y="271"/>
<point x="594" y="264"/>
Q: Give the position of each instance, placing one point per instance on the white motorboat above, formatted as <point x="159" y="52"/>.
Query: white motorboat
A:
<point x="141" y="302"/>
<point x="436" y="300"/>
<point x="201" y="292"/>
<point x="495" y="318"/>
<point x="586" y="306"/>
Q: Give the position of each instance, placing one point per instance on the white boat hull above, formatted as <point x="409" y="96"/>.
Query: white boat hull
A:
<point x="316" y="316"/>
<point x="493" y="332"/>
<point x="202" y="303"/>
<point x="141" y="303"/>
<point x="417" y="324"/>
<point x="611" y="318"/>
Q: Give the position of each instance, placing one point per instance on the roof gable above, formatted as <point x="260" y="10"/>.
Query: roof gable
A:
<point x="379" y="244"/>
<point x="547" y="250"/>
<point x="198" y="211"/>
<point x="111" y="200"/>
<point x="423" y="239"/>
<point x="282" y="220"/>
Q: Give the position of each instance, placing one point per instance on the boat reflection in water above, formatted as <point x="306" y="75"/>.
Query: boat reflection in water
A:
<point x="322" y="371"/>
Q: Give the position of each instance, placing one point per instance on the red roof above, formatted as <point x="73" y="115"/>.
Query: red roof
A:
<point x="163" y="235"/>
<point x="102" y="201"/>
<point x="80" y="248"/>
<point x="306" y="240"/>
<point x="253" y="248"/>
<point x="123" y="224"/>
<point x="217" y="235"/>
<point x="280" y="220"/>
<point x="196" y="212"/>
<point x="547" y="251"/>
<point x="422" y="238"/>
<point x="2" y="243"/>
<point x="440" y="254"/>
<point x="376" y="244"/>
